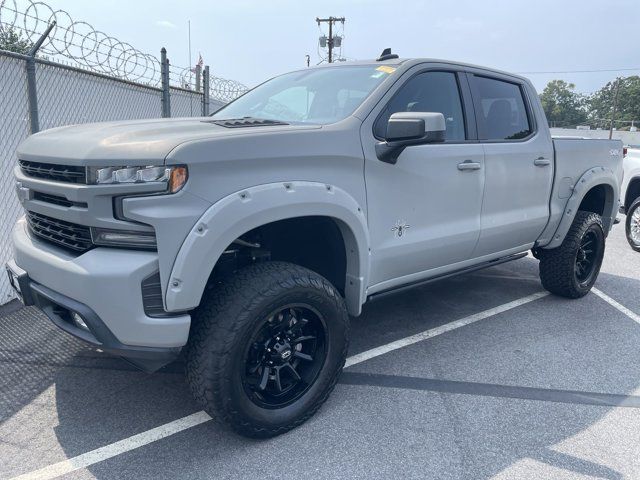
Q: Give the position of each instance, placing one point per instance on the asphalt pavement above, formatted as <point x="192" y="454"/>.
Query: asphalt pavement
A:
<point x="549" y="388"/>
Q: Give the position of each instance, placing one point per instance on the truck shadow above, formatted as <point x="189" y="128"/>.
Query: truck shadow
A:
<point x="100" y="399"/>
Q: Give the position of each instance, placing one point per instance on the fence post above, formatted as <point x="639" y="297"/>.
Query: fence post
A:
<point x="198" y="76"/>
<point x="205" y="92"/>
<point x="164" y="77"/>
<point x="32" y="94"/>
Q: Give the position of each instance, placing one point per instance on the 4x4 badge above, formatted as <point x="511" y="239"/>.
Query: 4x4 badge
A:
<point x="400" y="227"/>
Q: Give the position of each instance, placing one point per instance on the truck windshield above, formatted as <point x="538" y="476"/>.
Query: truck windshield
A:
<point x="321" y="96"/>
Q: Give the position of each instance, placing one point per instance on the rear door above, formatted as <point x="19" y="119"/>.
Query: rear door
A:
<point x="518" y="162"/>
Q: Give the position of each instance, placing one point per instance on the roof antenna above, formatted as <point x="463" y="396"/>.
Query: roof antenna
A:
<point x="386" y="55"/>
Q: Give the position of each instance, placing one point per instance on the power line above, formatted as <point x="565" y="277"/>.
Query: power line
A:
<point x="637" y="69"/>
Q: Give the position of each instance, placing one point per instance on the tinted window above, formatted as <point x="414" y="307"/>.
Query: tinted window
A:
<point x="428" y="92"/>
<point x="502" y="112"/>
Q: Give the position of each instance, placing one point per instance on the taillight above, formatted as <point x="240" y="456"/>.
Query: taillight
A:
<point x="624" y="151"/>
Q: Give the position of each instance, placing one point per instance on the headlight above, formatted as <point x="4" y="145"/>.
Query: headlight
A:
<point x="123" y="238"/>
<point x="174" y="177"/>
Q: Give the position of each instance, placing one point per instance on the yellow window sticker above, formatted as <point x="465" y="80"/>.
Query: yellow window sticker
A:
<point x="386" y="69"/>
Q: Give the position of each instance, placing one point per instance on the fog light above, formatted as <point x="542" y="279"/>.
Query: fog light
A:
<point x="79" y="321"/>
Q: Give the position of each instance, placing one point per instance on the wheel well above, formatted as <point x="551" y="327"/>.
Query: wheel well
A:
<point x="313" y="242"/>
<point x="633" y="192"/>
<point x="595" y="200"/>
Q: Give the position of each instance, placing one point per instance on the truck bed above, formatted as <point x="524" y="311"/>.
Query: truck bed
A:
<point x="573" y="158"/>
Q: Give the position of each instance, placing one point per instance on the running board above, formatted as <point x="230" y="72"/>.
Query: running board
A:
<point x="462" y="271"/>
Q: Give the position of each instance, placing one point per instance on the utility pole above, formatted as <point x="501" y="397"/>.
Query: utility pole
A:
<point x="615" y="107"/>
<point x="330" y="42"/>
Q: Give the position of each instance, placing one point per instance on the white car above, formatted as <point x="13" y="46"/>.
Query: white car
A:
<point x="630" y="196"/>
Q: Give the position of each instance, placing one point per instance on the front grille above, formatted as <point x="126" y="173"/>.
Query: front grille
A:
<point x="56" y="200"/>
<point x="50" y="171"/>
<point x="69" y="235"/>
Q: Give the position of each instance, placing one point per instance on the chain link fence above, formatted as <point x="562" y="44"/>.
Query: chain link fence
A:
<point x="67" y="95"/>
<point x="77" y="43"/>
<point x="68" y="73"/>
<point x="14" y="127"/>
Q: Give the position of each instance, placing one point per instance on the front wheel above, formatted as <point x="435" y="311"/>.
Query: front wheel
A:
<point x="266" y="349"/>
<point x="571" y="269"/>
<point x="633" y="225"/>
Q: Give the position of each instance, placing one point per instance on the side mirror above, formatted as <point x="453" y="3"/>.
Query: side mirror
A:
<point x="410" y="128"/>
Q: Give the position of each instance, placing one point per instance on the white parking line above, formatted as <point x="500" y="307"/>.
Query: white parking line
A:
<point x="621" y="308"/>
<point x="168" y="429"/>
<point x="434" y="332"/>
<point x="113" y="449"/>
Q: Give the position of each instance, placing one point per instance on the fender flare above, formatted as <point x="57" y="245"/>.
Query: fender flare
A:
<point x="242" y="211"/>
<point x="591" y="178"/>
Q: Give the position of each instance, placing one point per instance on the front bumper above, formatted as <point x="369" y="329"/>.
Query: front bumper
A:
<point x="103" y="286"/>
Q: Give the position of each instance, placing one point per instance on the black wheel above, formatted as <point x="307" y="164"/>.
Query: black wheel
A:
<point x="267" y="347"/>
<point x="571" y="269"/>
<point x="633" y="225"/>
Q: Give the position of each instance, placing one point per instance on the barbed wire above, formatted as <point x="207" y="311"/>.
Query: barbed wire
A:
<point x="94" y="50"/>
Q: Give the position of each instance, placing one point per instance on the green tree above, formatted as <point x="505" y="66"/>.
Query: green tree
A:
<point x="562" y="105"/>
<point x="11" y="40"/>
<point x="601" y="103"/>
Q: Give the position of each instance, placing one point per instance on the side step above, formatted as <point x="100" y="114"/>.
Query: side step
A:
<point x="462" y="271"/>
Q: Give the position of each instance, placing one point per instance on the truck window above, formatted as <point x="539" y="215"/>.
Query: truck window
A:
<point x="321" y="96"/>
<point x="428" y="92"/>
<point x="500" y="110"/>
<point x="294" y="102"/>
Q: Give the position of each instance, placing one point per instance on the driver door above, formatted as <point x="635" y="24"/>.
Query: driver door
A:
<point x="424" y="211"/>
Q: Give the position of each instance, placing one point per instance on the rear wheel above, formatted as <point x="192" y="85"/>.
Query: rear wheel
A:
<point x="571" y="269"/>
<point x="266" y="350"/>
<point x="633" y="225"/>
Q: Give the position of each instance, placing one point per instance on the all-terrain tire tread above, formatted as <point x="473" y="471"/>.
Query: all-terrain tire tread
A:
<point x="215" y="327"/>
<point x="557" y="264"/>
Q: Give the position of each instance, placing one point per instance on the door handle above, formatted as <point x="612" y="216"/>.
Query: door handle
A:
<point x="468" y="165"/>
<point x="541" y="162"/>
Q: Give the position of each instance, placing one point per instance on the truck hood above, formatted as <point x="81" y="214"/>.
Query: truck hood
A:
<point x="140" y="142"/>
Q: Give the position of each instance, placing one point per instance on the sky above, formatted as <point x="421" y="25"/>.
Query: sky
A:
<point x="252" y="40"/>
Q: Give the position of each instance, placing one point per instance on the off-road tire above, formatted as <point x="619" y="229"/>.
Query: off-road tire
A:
<point x="633" y="209"/>
<point x="222" y="327"/>
<point x="557" y="265"/>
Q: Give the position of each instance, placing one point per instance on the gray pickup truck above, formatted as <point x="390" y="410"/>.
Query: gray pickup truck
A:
<point x="247" y="238"/>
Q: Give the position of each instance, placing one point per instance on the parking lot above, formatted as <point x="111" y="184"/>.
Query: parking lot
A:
<point x="479" y="376"/>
